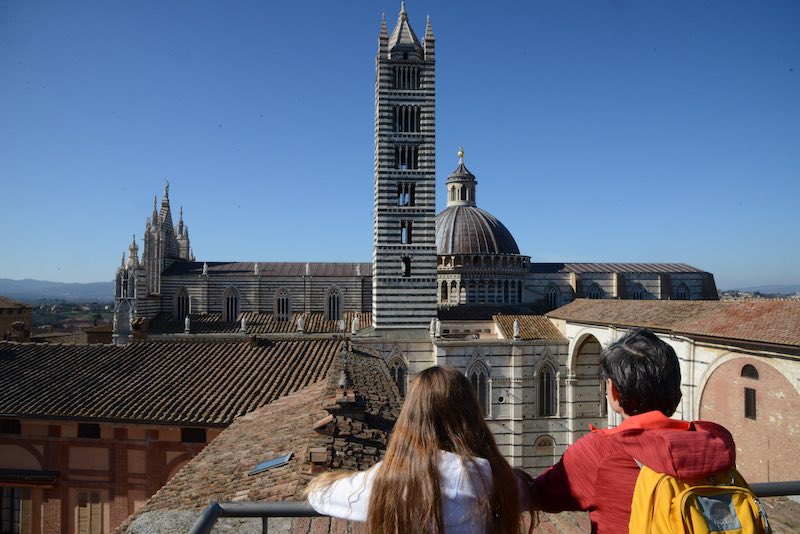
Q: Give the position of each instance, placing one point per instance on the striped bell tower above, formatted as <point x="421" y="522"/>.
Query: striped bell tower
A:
<point x="404" y="253"/>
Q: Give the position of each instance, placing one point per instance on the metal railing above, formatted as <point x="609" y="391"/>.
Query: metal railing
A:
<point x="266" y="510"/>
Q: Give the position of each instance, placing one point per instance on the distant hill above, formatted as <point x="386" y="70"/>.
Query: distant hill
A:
<point x="774" y="289"/>
<point x="36" y="290"/>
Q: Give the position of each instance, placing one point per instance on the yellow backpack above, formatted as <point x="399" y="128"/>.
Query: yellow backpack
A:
<point x="663" y="504"/>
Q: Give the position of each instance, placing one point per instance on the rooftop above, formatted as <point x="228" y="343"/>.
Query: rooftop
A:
<point x="320" y="425"/>
<point x="531" y="327"/>
<point x="257" y="323"/>
<point x="773" y="322"/>
<point x="613" y="268"/>
<point x="282" y="268"/>
<point x="198" y="383"/>
<point x="6" y="302"/>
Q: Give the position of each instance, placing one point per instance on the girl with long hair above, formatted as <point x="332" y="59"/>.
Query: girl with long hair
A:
<point x="442" y="473"/>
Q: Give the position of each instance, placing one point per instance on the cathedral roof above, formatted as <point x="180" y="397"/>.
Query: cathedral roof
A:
<point x="470" y="230"/>
<point x="274" y="268"/>
<point x="774" y="322"/>
<point x="403" y="36"/>
<point x="579" y="268"/>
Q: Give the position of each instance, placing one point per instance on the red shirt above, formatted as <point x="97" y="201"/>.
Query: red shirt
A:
<point x="598" y="473"/>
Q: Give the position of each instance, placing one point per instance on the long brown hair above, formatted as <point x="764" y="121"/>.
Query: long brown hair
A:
<point x="440" y="412"/>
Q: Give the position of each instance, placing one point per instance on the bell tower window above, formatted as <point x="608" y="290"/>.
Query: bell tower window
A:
<point x="406" y="194"/>
<point x="406" y="119"/>
<point x="406" y="266"/>
<point x="406" y="77"/>
<point x="405" y="232"/>
<point x="406" y="157"/>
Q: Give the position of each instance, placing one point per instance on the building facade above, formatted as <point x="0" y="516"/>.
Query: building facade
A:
<point x="15" y="320"/>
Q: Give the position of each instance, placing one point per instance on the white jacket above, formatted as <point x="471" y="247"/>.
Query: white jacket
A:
<point x="463" y="488"/>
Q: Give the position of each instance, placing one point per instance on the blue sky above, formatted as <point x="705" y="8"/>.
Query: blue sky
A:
<point x="642" y="131"/>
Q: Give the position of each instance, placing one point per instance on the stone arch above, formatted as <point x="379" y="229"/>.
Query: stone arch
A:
<point x="682" y="292"/>
<point x="552" y="294"/>
<point x="594" y="291"/>
<point x="544" y="452"/>
<point x="766" y="444"/>
<point x="181" y="304"/>
<point x="230" y="304"/>
<point x="20" y="456"/>
<point x="588" y="382"/>
<point x="399" y="372"/>
<point x="638" y="292"/>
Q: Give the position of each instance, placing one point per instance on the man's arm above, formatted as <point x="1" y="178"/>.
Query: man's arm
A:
<point x="570" y="483"/>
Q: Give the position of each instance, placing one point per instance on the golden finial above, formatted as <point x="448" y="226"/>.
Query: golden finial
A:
<point x="460" y="154"/>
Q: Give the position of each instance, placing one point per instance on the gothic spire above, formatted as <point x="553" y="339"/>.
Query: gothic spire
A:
<point x="383" y="38"/>
<point x="403" y="36"/>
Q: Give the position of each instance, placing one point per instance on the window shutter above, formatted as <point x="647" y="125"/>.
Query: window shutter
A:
<point x="26" y="512"/>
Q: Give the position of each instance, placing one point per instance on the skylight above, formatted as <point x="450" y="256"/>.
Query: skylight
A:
<point x="270" y="464"/>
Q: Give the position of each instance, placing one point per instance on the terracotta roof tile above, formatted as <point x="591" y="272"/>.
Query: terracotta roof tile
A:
<point x="164" y="382"/>
<point x="220" y="472"/>
<point x="755" y="321"/>
<point x="531" y="327"/>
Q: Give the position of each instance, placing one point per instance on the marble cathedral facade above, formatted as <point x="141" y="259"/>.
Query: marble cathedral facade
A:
<point x="447" y="289"/>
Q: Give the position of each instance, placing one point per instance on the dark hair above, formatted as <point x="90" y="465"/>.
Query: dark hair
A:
<point x="645" y="371"/>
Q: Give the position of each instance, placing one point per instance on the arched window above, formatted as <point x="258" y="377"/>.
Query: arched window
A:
<point x="230" y="305"/>
<point x="282" y="308"/>
<point x="553" y="296"/>
<point x="682" y="292"/>
<point x="180" y="304"/>
<point x="638" y="292"/>
<point x="594" y="292"/>
<point x="748" y="371"/>
<point x="479" y="378"/>
<point x="443" y="293"/>
<point x="399" y="375"/>
<point x="546" y="386"/>
<point x="333" y="304"/>
<point x="454" y="292"/>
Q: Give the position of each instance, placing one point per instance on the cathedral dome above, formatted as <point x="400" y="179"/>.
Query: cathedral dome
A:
<point x="463" y="229"/>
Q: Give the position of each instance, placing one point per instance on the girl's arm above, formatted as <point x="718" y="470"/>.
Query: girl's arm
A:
<point x="346" y="498"/>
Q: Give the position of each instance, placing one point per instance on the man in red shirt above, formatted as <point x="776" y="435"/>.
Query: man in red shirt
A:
<point x="598" y="473"/>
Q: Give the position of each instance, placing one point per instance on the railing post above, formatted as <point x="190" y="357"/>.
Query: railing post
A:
<point x="265" y="525"/>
